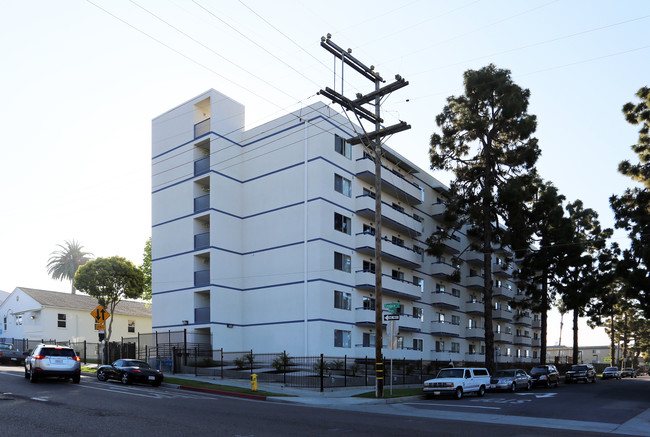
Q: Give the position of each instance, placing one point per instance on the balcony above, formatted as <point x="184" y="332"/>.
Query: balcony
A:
<point x="445" y="329"/>
<point x="442" y="270"/>
<point x="438" y="209"/>
<point x="503" y="292"/>
<point x="444" y="300"/>
<point x="537" y="324"/>
<point x="202" y="315"/>
<point x="501" y="269"/>
<point x="474" y="307"/>
<point x="409" y="323"/>
<point x="201" y="128"/>
<point x="201" y="166"/>
<point x="364" y="316"/>
<point x="536" y="342"/>
<point x="365" y="280"/>
<point x="476" y="282"/>
<point x="202" y="241"/>
<point x="501" y="314"/>
<point x="522" y="340"/>
<point x="474" y="357"/>
<point x="391" y="217"/>
<point x="474" y="333"/>
<point x="524" y="320"/>
<point x="473" y="257"/>
<point x="392" y="183"/>
<point x="202" y="278"/>
<point x="390" y="252"/>
<point x="202" y="203"/>
<point x="502" y="337"/>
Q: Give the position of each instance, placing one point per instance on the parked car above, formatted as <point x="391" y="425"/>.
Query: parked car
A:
<point x="511" y="379"/>
<point x="10" y="355"/>
<point x="580" y="372"/>
<point x="628" y="372"/>
<point x="129" y="371"/>
<point x="50" y="360"/>
<point x="546" y="375"/>
<point x="611" y="373"/>
<point x="458" y="381"/>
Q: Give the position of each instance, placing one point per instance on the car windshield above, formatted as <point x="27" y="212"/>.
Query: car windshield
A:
<point x="134" y="363"/>
<point x="57" y="352"/>
<point x="450" y="373"/>
<point x="538" y="371"/>
<point x="579" y="368"/>
<point x="504" y="373"/>
<point x="6" y="346"/>
<point x="611" y="369"/>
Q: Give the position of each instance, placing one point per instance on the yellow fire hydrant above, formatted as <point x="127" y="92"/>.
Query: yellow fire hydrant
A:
<point x="254" y="381"/>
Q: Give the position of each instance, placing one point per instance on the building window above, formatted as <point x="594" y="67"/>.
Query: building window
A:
<point x="342" y="262"/>
<point x="19" y="319"/>
<point x="440" y="288"/>
<point x="342" y="300"/>
<point x="61" y="321"/>
<point x="342" y="185"/>
<point x="367" y="229"/>
<point x="455" y="320"/>
<point x="398" y="241"/>
<point x="398" y="207"/>
<point x="342" y="223"/>
<point x="368" y="303"/>
<point x="368" y="339"/>
<point x="367" y="192"/>
<point x="534" y="354"/>
<point x="440" y="346"/>
<point x="418" y="313"/>
<point x="342" y="338"/>
<point x="396" y="274"/>
<point x="131" y="326"/>
<point x="418" y="250"/>
<point x="400" y="342"/>
<point x="5" y="323"/>
<point x="342" y="147"/>
<point x="418" y="344"/>
<point x="455" y="292"/>
<point x="369" y="266"/>
<point x="441" y="317"/>
<point x="472" y="349"/>
<point x="455" y="348"/>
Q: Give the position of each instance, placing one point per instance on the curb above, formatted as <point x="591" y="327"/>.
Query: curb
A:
<point x="221" y="392"/>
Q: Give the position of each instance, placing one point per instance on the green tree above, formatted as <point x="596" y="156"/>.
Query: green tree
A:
<point x="145" y="268"/>
<point x="487" y="142"/>
<point x="110" y="280"/>
<point x="541" y="269"/>
<point x="632" y="209"/>
<point x="582" y="280"/>
<point x="63" y="263"/>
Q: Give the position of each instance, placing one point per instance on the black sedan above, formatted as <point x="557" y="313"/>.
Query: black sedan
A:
<point x="129" y="371"/>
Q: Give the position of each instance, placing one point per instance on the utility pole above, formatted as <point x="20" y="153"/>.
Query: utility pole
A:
<point x="371" y="140"/>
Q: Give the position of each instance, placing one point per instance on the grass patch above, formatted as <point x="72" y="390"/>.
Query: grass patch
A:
<point x="397" y="393"/>
<point x="229" y="388"/>
<point x="89" y="369"/>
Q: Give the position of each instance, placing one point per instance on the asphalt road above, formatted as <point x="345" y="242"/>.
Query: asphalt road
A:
<point x="57" y="408"/>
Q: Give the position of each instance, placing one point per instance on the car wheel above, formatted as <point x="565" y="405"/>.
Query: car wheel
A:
<point x="529" y="385"/>
<point x="547" y="384"/>
<point x="593" y="379"/>
<point x="513" y="387"/>
<point x="26" y="373"/>
<point x="557" y="383"/>
<point x="481" y="391"/>
<point x="125" y="378"/>
<point x="459" y="393"/>
<point x="32" y="377"/>
<point x="101" y="375"/>
<point x="76" y="379"/>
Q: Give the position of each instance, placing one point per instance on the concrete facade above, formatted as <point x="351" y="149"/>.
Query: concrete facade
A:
<point x="263" y="238"/>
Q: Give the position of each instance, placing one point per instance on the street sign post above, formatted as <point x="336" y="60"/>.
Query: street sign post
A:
<point x="392" y="307"/>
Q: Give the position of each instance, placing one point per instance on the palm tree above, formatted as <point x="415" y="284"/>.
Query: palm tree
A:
<point x="63" y="263"/>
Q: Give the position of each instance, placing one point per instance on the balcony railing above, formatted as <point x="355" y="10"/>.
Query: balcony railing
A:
<point x="392" y="218"/>
<point x="393" y="252"/>
<point x="202" y="128"/>
<point x="400" y="188"/>
<point x="202" y="278"/>
<point x="445" y="329"/>
<point x="443" y="299"/>
<point x="202" y="203"/>
<point x="201" y="241"/>
<point x="202" y="315"/>
<point x="201" y="166"/>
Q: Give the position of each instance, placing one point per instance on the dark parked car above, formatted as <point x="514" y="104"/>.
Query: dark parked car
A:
<point x="628" y="372"/>
<point x="50" y="360"/>
<point x="129" y="371"/>
<point x="10" y="355"/>
<point x="511" y="379"/>
<point x="580" y="372"/>
<point x="545" y="375"/>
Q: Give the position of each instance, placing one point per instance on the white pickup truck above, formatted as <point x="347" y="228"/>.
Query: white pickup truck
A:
<point x="458" y="381"/>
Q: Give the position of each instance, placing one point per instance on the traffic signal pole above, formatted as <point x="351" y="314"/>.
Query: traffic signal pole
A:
<point x="372" y="140"/>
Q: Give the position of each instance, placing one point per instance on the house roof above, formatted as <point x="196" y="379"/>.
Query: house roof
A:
<point x="56" y="299"/>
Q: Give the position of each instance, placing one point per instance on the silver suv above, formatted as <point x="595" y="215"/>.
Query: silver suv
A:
<point x="47" y="360"/>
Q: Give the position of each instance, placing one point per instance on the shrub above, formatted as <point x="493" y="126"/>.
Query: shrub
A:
<point x="354" y="368"/>
<point x="282" y="362"/>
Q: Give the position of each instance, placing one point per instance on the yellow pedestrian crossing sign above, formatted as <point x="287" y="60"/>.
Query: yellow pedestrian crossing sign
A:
<point x="100" y="314"/>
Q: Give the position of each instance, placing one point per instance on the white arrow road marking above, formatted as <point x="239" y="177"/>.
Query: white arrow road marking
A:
<point x="537" y="395"/>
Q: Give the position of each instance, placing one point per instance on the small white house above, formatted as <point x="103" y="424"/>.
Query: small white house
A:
<point x="49" y="315"/>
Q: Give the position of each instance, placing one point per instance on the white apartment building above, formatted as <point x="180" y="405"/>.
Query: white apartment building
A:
<point x="264" y="239"/>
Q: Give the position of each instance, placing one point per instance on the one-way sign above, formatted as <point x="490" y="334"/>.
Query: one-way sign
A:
<point x="391" y="317"/>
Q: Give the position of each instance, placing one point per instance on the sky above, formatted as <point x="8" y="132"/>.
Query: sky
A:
<point x="81" y="80"/>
